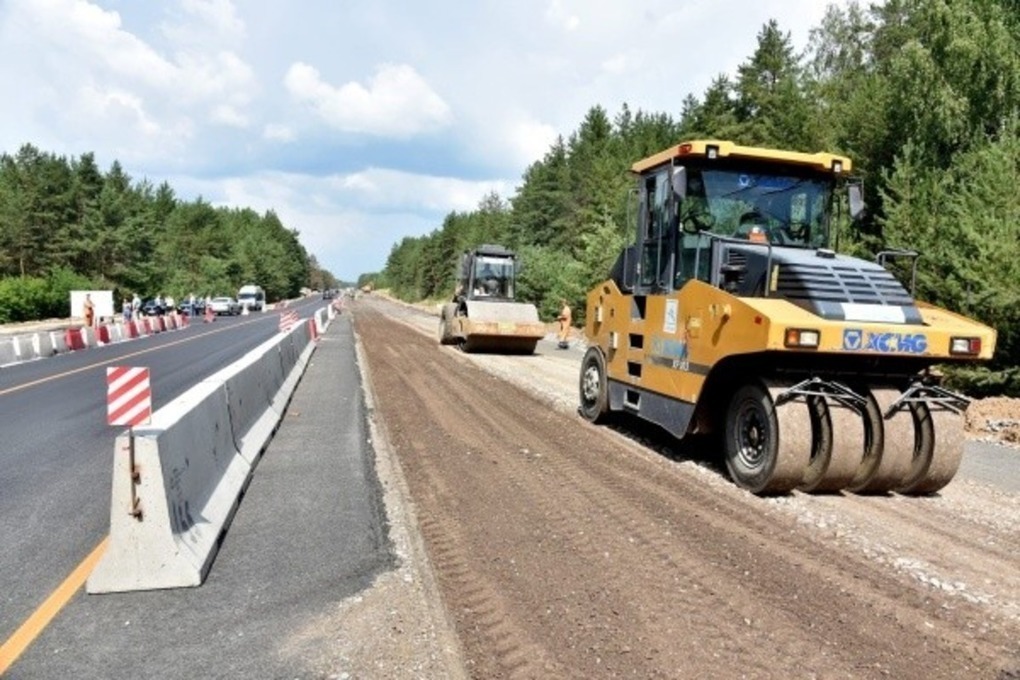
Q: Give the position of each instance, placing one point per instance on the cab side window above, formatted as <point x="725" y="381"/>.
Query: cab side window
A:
<point x="655" y="254"/>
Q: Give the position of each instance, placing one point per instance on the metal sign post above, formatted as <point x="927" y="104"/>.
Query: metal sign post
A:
<point x="129" y="402"/>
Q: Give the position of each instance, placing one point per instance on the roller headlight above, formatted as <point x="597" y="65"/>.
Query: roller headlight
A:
<point x="801" y="337"/>
<point x="965" y="346"/>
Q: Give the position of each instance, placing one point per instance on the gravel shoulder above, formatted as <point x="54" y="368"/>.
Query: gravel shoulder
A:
<point x="562" y="549"/>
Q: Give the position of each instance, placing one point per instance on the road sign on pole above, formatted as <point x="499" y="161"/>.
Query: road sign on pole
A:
<point x="128" y="396"/>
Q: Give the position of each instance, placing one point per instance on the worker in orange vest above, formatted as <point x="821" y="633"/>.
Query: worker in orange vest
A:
<point x="565" y="319"/>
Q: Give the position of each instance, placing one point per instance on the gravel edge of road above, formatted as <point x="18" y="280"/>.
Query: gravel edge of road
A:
<point x="407" y="631"/>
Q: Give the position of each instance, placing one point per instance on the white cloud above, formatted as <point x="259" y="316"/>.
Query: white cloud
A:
<point x="203" y="18"/>
<point x="618" y="64"/>
<point x="350" y="241"/>
<point x="397" y="101"/>
<point x="366" y="190"/>
<point x="212" y="76"/>
<point x="529" y="140"/>
<point x="117" y="105"/>
<point x="349" y="221"/>
<point x="225" y="114"/>
<point x="558" y="15"/>
<point x="378" y="187"/>
<point x="90" y="38"/>
<point x="358" y="121"/>
<point x="100" y="83"/>
<point x="278" y="133"/>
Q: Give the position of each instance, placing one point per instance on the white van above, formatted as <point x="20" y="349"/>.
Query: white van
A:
<point x="253" y="298"/>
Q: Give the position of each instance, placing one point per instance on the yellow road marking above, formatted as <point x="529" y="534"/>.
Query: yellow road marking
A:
<point x="40" y="618"/>
<point x="57" y="376"/>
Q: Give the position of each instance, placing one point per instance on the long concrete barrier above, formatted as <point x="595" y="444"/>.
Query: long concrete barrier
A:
<point x="289" y="351"/>
<point x="165" y="527"/>
<point x="250" y="390"/>
<point x="18" y="348"/>
<point x="320" y="320"/>
<point x="309" y="332"/>
<point x="42" y="344"/>
<point x="192" y="464"/>
<point x="295" y="348"/>
<point x="59" y="341"/>
<point x="47" y="343"/>
<point x="9" y="351"/>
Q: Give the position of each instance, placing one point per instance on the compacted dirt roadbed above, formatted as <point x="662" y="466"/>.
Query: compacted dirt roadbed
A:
<point x="566" y="550"/>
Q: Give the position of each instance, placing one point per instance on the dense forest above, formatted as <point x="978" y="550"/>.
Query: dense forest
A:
<point x="65" y="225"/>
<point x="923" y="95"/>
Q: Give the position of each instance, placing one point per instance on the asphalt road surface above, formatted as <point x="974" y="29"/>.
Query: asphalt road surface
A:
<point x="55" y="467"/>
<point x="56" y="450"/>
<point x="309" y="532"/>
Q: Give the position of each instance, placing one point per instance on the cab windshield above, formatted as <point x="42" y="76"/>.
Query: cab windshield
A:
<point x="781" y="209"/>
<point x="494" y="277"/>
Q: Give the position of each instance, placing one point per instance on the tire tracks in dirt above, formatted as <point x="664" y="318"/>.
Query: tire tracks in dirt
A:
<point x="563" y="551"/>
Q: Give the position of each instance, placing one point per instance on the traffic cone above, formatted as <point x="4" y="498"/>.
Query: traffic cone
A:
<point x="244" y="310"/>
<point x="209" y="318"/>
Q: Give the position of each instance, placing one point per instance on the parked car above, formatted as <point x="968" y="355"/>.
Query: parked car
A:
<point x="225" y="305"/>
<point x="153" y="308"/>
<point x="196" y="308"/>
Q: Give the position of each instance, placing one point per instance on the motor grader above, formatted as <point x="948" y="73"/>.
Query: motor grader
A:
<point x="732" y="314"/>
<point x="484" y="315"/>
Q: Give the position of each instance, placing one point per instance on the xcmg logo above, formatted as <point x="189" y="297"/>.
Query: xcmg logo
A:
<point x="859" y="340"/>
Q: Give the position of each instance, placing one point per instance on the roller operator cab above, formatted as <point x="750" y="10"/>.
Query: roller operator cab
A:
<point x="732" y="314"/>
<point x="484" y="315"/>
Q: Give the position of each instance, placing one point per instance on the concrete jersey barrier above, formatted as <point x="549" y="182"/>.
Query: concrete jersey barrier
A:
<point x="190" y="479"/>
<point x="251" y="384"/>
<point x="46" y="343"/>
<point x="9" y="351"/>
<point x="193" y="462"/>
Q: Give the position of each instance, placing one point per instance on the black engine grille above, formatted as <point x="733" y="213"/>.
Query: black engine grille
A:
<point x="841" y="282"/>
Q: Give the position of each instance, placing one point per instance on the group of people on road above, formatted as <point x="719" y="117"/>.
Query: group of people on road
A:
<point x="131" y="308"/>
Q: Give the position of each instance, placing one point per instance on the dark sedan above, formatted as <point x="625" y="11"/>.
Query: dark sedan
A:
<point x="196" y="308"/>
<point x="154" y="308"/>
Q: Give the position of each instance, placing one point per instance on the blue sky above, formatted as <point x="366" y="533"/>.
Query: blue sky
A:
<point x="357" y="122"/>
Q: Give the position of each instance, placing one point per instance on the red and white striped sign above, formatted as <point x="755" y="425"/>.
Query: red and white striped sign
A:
<point x="288" y="320"/>
<point x="128" y="396"/>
